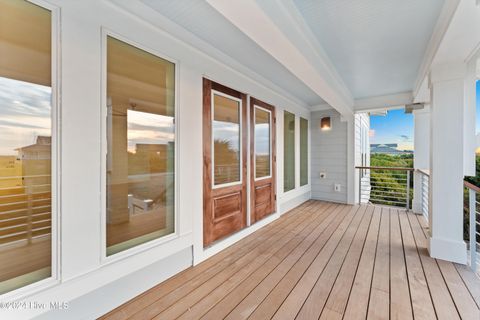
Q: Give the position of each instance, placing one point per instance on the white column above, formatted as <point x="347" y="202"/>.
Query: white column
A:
<point x="421" y="159"/>
<point x="446" y="163"/>
<point x="351" y="172"/>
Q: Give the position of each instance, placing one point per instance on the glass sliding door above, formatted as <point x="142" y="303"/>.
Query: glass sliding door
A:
<point x="25" y="144"/>
<point x="141" y="146"/>
<point x="303" y="151"/>
<point x="288" y="151"/>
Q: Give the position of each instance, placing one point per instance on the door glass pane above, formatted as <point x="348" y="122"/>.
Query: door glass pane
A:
<point x="226" y="139"/>
<point x="25" y="144"/>
<point x="303" y="151"/>
<point x="262" y="143"/>
<point x="289" y="151"/>
<point x="141" y="146"/>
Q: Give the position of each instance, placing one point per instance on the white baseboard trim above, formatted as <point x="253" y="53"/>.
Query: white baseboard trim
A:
<point x="449" y="250"/>
<point x="330" y="200"/>
<point x="417" y="206"/>
<point x="106" y="298"/>
<point x="287" y="204"/>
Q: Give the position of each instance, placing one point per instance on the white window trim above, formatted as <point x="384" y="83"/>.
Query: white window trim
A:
<point x="104" y="258"/>
<point x="212" y="107"/>
<point x="255" y="142"/>
<point x="55" y="277"/>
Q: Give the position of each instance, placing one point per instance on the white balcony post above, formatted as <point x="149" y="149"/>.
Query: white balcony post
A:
<point x="446" y="163"/>
<point x="421" y="159"/>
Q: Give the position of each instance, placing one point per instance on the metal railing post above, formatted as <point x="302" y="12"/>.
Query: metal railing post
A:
<point x="359" y="186"/>
<point x="472" y="218"/>
<point x="408" y="191"/>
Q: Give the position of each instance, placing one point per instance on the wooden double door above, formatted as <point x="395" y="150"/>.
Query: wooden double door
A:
<point x="225" y="149"/>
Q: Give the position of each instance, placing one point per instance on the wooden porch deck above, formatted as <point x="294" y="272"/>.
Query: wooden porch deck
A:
<point x="321" y="260"/>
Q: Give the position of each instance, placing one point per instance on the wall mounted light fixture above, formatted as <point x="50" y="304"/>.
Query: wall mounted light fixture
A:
<point x="325" y="124"/>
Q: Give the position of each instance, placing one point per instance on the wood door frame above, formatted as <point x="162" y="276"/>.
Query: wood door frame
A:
<point x="255" y="102"/>
<point x="208" y="190"/>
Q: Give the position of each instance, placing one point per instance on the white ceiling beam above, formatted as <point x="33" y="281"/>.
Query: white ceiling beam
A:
<point x="321" y="107"/>
<point x="249" y="17"/>
<point x="446" y="15"/>
<point x="385" y="102"/>
<point x="286" y="16"/>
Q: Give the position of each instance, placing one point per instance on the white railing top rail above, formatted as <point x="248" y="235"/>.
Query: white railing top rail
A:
<point x="473" y="190"/>
<point x="385" y="168"/>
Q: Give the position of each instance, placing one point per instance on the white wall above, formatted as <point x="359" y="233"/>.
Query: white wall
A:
<point x="329" y="155"/>
<point x="85" y="275"/>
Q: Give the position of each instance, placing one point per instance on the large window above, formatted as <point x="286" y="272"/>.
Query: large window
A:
<point x="25" y="144"/>
<point x="288" y="151"/>
<point x="303" y="151"/>
<point x="140" y="155"/>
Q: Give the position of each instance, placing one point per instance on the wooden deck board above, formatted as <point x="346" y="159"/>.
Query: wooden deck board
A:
<point x="321" y="260"/>
<point x="442" y="300"/>
<point x="379" y="303"/>
<point x="400" y="301"/>
<point x="230" y="301"/>
<point x="421" y="301"/>
<point x="357" y="305"/>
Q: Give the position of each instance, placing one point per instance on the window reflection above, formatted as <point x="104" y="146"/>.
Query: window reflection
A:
<point x="303" y="151"/>
<point x="262" y="143"/>
<point x="289" y="151"/>
<point x="25" y="144"/>
<point x="141" y="148"/>
<point x="226" y="139"/>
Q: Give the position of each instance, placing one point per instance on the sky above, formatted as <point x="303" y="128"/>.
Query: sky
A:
<point x="24" y="114"/>
<point x="148" y="128"/>
<point x="395" y="127"/>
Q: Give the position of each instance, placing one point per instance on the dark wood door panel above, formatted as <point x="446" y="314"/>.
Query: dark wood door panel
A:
<point x="226" y="206"/>
<point x="263" y="193"/>
<point x="264" y="200"/>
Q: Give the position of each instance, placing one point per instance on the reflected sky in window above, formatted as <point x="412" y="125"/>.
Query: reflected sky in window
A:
<point x="227" y="132"/>
<point x="148" y="128"/>
<point x="262" y="139"/>
<point x="24" y="114"/>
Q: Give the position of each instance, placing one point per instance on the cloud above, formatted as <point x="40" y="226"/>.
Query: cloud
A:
<point x="25" y="112"/>
<point x="405" y="137"/>
<point x="7" y="123"/>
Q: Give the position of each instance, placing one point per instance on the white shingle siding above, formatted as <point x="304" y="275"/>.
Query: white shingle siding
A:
<point x="329" y="154"/>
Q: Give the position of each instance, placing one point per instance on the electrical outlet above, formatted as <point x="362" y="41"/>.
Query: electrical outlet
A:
<point x="323" y="175"/>
<point x="337" y="187"/>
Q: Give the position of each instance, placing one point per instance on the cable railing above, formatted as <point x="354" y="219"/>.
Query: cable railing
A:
<point x="474" y="224"/>
<point x="390" y="186"/>
<point x="425" y="186"/>
<point x="25" y="208"/>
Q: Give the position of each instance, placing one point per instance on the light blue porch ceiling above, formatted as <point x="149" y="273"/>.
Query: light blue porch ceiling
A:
<point x="199" y="18"/>
<point x="377" y="46"/>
